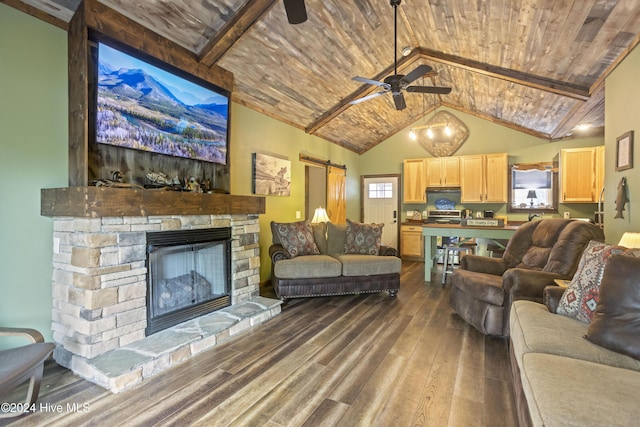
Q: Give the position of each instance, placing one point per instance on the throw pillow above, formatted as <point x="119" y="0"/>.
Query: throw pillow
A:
<point x="296" y="238"/>
<point x="581" y="296"/>
<point x="616" y="321"/>
<point x="363" y="239"/>
<point x="336" y="238"/>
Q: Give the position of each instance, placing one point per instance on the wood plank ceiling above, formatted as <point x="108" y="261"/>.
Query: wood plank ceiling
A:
<point x="537" y="66"/>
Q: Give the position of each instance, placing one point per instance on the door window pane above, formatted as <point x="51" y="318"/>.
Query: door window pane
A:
<point x="380" y="190"/>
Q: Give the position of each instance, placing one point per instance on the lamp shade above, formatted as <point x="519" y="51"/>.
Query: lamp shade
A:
<point x="630" y="240"/>
<point x="532" y="194"/>
<point x="320" y="215"/>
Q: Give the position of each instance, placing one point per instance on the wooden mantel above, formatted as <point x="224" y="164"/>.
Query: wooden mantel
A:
<point x="97" y="202"/>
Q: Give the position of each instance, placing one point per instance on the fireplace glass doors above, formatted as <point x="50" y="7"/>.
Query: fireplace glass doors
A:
<point x="188" y="275"/>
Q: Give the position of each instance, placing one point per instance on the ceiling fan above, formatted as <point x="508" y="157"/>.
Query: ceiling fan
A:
<point x="396" y="83"/>
<point x="296" y="11"/>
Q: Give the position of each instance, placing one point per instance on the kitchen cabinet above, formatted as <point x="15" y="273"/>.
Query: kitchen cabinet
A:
<point x="483" y="178"/>
<point x="411" y="243"/>
<point x="599" y="170"/>
<point x="443" y="172"/>
<point x="414" y="181"/>
<point x="579" y="174"/>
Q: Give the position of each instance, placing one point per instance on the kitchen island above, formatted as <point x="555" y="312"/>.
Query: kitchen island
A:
<point x="432" y="231"/>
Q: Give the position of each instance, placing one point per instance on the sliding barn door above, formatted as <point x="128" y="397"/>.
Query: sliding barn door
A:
<point x="337" y="195"/>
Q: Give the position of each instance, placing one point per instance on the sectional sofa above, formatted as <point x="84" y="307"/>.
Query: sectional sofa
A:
<point x="572" y="372"/>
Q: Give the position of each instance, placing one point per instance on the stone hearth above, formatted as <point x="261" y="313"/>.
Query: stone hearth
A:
<point x="99" y="289"/>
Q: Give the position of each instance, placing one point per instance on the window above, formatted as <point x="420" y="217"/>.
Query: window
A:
<point x="533" y="187"/>
<point x="380" y="190"/>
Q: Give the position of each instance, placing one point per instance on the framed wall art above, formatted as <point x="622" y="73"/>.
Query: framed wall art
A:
<point x="271" y="175"/>
<point x="624" y="151"/>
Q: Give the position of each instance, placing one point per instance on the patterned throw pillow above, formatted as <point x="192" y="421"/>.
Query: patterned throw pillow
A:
<point x="296" y="238"/>
<point x="363" y="239"/>
<point x="581" y="296"/>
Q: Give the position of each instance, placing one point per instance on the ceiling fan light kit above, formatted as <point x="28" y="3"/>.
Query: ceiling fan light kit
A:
<point x="396" y="83"/>
<point x="445" y="134"/>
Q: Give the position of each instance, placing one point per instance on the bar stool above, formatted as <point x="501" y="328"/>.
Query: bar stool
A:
<point x="450" y="252"/>
<point x="497" y="248"/>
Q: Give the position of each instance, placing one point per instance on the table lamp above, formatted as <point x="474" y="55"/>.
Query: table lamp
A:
<point x="532" y="195"/>
<point x="320" y="215"/>
<point x="630" y="240"/>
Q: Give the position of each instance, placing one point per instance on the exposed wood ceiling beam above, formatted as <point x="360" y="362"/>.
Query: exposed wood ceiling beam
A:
<point x="37" y="13"/>
<point x="360" y="92"/>
<point x="578" y="113"/>
<point x="233" y="29"/>
<point x="530" y="80"/>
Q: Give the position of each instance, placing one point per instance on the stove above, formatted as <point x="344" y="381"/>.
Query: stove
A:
<point x="453" y="216"/>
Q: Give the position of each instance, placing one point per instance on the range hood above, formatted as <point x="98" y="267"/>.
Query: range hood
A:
<point x="443" y="190"/>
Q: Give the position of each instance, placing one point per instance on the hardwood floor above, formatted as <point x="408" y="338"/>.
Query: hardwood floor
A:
<point x="367" y="360"/>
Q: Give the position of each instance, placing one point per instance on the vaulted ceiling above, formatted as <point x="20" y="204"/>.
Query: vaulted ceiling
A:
<point x="537" y="66"/>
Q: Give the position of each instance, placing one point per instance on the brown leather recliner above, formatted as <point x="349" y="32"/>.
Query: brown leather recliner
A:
<point x="483" y="288"/>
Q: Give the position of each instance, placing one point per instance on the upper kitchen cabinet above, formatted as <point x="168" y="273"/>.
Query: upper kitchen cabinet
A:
<point x="581" y="174"/>
<point x="443" y="172"/>
<point x="414" y="184"/>
<point x="599" y="170"/>
<point x="483" y="178"/>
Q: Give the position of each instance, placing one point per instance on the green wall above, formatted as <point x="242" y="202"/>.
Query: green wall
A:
<point x="33" y="137"/>
<point x="253" y="132"/>
<point x="622" y="92"/>
<point x="484" y="137"/>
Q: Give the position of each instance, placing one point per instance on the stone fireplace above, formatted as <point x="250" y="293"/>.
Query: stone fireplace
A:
<point x="99" y="285"/>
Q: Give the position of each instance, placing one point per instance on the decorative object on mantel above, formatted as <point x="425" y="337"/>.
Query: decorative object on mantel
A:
<point x="442" y="135"/>
<point x="116" y="181"/>
<point x="271" y="175"/>
<point x="159" y="179"/>
<point x="624" y="151"/>
<point x="621" y="198"/>
<point x="193" y="185"/>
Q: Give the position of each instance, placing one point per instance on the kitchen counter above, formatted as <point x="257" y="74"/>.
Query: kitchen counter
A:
<point x="432" y="231"/>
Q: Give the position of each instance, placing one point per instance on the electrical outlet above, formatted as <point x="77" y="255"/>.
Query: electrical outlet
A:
<point x="298" y="215"/>
<point x="567" y="214"/>
<point x="56" y="245"/>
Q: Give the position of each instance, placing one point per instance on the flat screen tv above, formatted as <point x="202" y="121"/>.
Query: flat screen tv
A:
<point x="158" y="109"/>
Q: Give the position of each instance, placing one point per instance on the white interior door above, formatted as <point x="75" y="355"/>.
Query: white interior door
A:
<point x="380" y="203"/>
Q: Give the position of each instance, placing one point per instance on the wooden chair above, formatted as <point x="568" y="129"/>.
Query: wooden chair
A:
<point x="20" y="364"/>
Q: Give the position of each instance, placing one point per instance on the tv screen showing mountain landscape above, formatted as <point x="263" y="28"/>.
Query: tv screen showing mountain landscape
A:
<point x="143" y="107"/>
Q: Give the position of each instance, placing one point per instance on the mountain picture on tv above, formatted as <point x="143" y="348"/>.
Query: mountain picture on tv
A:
<point x="143" y="107"/>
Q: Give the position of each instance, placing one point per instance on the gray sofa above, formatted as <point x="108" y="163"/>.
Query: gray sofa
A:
<point x="332" y="271"/>
<point x="561" y="376"/>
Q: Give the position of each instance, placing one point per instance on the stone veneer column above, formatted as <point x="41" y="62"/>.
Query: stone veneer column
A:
<point x="99" y="276"/>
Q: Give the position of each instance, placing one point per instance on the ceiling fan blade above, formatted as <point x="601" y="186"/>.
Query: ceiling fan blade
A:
<point x="366" y="98"/>
<point x="420" y="71"/>
<point x="429" y="89"/>
<point x="296" y="11"/>
<point x="371" y="82"/>
<point x="398" y="99"/>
